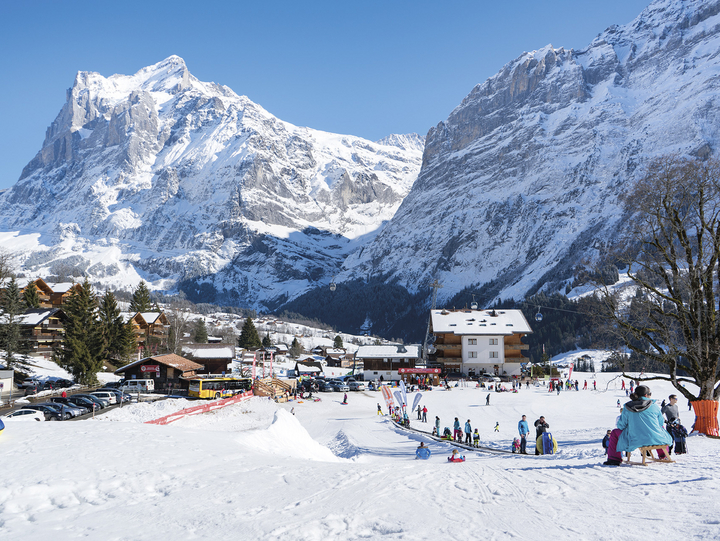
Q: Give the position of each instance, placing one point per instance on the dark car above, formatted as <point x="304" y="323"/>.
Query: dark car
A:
<point x="66" y="411"/>
<point x="86" y="408"/>
<point x="62" y="383"/>
<point x="100" y="403"/>
<point x="112" y="385"/>
<point x="51" y="414"/>
<point x="84" y="402"/>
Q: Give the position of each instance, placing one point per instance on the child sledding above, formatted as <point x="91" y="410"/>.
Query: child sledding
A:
<point x="456" y="457"/>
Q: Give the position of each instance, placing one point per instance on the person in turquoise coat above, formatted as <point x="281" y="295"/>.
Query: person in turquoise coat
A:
<point x="641" y="422"/>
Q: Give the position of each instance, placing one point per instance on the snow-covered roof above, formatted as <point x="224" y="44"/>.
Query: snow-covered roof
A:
<point x="176" y="361"/>
<point x="36" y="316"/>
<point x="389" y="352"/>
<point x="481" y="322"/>
<point x="150" y="317"/>
<point x="333" y="351"/>
<point x="61" y="287"/>
<point x="202" y="351"/>
<point x="314" y="367"/>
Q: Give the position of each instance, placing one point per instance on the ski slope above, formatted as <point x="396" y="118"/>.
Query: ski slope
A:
<point x="332" y="471"/>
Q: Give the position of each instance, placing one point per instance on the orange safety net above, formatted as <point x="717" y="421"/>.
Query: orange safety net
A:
<point x="706" y="412"/>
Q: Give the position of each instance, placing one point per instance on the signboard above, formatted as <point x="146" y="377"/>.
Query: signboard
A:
<point x="418" y="370"/>
<point x="150" y="368"/>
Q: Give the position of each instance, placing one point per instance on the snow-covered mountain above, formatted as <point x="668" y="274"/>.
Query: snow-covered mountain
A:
<point x="521" y="182"/>
<point x="161" y="174"/>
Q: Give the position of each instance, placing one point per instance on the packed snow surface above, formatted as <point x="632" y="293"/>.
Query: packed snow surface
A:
<point x="335" y="471"/>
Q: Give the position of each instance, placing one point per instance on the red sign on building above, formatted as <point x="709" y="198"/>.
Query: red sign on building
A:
<point x="150" y="368"/>
<point x="418" y="370"/>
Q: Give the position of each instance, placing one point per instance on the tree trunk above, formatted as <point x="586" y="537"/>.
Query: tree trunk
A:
<point x="706" y="412"/>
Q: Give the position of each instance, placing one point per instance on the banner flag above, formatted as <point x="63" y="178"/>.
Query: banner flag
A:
<point x="398" y="397"/>
<point x="418" y="396"/>
<point x="404" y="392"/>
<point x="254" y="365"/>
<point x="387" y="395"/>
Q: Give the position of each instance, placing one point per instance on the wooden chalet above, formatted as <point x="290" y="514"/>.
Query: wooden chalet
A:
<point x="169" y="371"/>
<point x="43" y="329"/>
<point x="216" y="358"/>
<point x="383" y="362"/>
<point x="475" y="342"/>
<point x="151" y="330"/>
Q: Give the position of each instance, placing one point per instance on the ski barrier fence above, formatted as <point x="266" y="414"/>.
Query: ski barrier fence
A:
<point x="202" y="408"/>
<point x="458" y="444"/>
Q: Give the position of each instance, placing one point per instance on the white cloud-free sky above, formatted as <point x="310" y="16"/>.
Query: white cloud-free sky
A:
<point x="366" y="68"/>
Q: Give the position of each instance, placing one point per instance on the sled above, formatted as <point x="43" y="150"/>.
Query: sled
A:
<point x="461" y="459"/>
<point x="2" y="426"/>
<point x="651" y="458"/>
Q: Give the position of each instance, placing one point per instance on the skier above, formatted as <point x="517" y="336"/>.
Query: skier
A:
<point x="345" y="399"/>
<point x="379" y="409"/>
<point x="622" y="388"/>
<point x="585" y="386"/>
<point x="497" y="426"/>
<point x="594" y="385"/>
<point x="419" y="412"/>
<point x="487" y="400"/>
<point x="468" y="433"/>
<point x="476" y="438"/>
<point x="524" y="430"/>
<point x="618" y="403"/>
<point x="424" y="417"/>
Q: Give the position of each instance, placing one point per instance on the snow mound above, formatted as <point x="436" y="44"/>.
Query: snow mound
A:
<point x="146" y="411"/>
<point x="342" y="447"/>
<point x="286" y="437"/>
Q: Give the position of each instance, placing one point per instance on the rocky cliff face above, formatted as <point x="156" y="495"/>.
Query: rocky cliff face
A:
<point x="521" y="182"/>
<point x="165" y="175"/>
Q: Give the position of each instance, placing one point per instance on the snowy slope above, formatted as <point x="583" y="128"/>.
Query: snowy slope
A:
<point x="522" y="180"/>
<point x="169" y="177"/>
<point x="258" y="471"/>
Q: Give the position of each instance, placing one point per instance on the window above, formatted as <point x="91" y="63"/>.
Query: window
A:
<point x="493" y="341"/>
<point x="493" y="354"/>
<point x="472" y="341"/>
<point x="472" y="354"/>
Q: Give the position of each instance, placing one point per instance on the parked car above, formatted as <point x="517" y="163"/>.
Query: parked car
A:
<point x="25" y="414"/>
<point x="62" y="383"/>
<point x="113" y="384"/>
<point x="138" y="386"/>
<point x="51" y="414"/>
<point x="325" y="386"/>
<point x="83" y="402"/>
<point x="355" y="385"/>
<point x="29" y="382"/>
<point x="106" y="395"/>
<point x="119" y="395"/>
<point x="67" y="412"/>
<point x="75" y="409"/>
<point x="339" y="386"/>
<point x="490" y="379"/>
<point x="99" y="401"/>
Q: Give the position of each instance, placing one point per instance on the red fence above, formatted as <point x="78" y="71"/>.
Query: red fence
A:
<point x="202" y="408"/>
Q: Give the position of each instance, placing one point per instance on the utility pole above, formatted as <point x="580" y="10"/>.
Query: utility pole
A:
<point x="435" y="285"/>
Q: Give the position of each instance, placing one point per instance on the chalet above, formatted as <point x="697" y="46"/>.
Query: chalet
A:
<point x="50" y="295"/>
<point x="216" y="358"/>
<point x="43" y="329"/>
<point x="169" y="371"/>
<point x="383" y="362"/>
<point x="476" y="342"/>
<point x="308" y="368"/>
<point x="151" y="329"/>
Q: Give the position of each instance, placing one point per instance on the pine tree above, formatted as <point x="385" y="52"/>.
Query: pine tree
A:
<point x="201" y="335"/>
<point x="129" y="344"/>
<point x="11" y="308"/>
<point x="112" y="327"/>
<point x="296" y="348"/>
<point x="338" y="343"/>
<point x="266" y="342"/>
<point x="31" y="297"/>
<point x="141" y="301"/>
<point x="82" y="350"/>
<point x="249" y="337"/>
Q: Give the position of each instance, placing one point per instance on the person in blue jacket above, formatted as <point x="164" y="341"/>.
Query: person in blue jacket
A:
<point x="457" y="433"/>
<point x="641" y="422"/>
<point x="468" y="433"/>
<point x="422" y="452"/>
<point x="524" y="430"/>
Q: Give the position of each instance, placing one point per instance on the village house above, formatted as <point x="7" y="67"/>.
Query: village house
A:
<point x="475" y="342"/>
<point x="216" y="358"/>
<point x="43" y="329"/>
<point x="169" y="371"/>
<point x="382" y="362"/>
<point x="151" y="330"/>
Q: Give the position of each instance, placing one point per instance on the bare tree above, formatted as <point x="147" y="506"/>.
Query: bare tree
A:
<point x="179" y="320"/>
<point x="7" y="265"/>
<point x="673" y="261"/>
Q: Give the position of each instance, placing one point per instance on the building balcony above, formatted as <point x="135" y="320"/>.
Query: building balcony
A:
<point x="445" y="347"/>
<point x="516" y="346"/>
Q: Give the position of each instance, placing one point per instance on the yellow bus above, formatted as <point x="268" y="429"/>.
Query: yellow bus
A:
<point x="218" y="387"/>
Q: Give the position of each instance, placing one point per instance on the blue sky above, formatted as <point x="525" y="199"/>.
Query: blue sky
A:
<point x="366" y="68"/>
